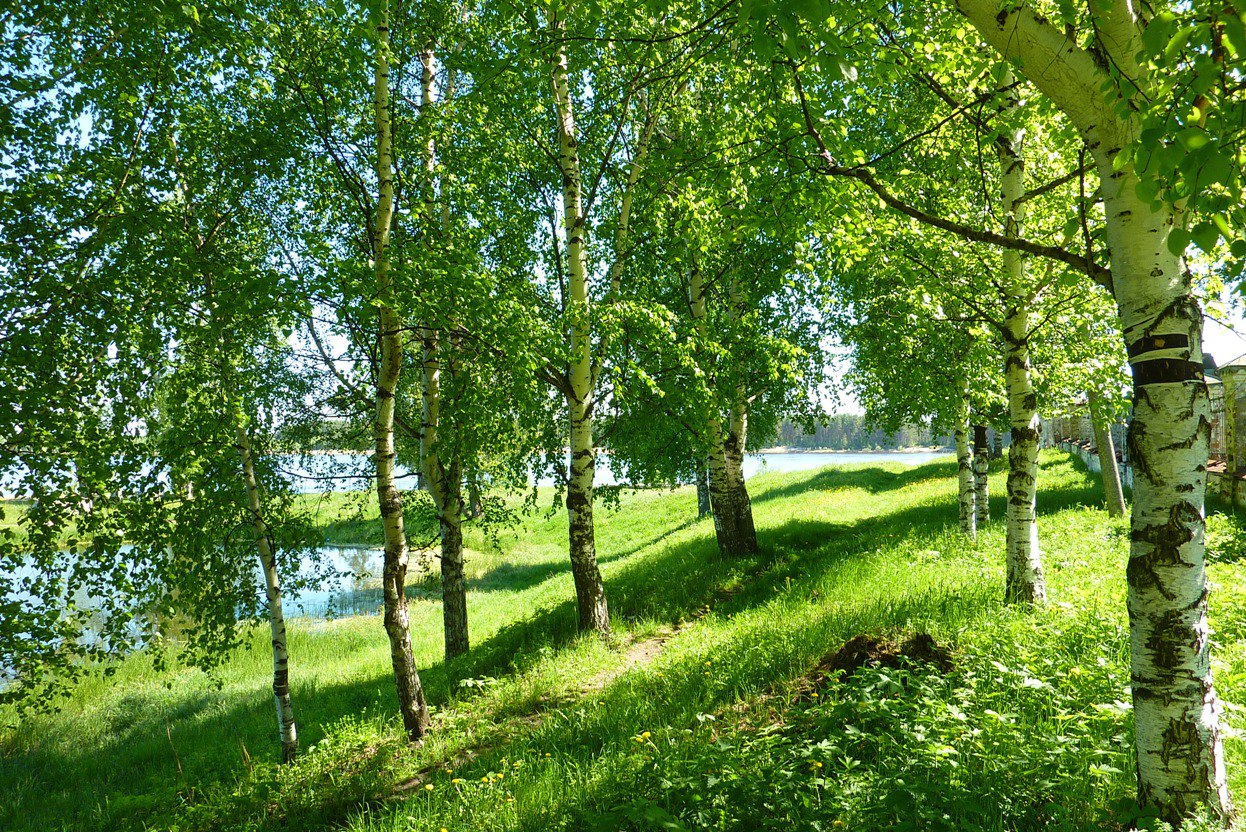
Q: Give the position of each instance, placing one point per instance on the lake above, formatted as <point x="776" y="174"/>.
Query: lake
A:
<point x="353" y="472"/>
<point x="359" y="592"/>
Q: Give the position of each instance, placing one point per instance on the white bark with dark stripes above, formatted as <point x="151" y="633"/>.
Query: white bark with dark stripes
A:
<point x="394" y="570"/>
<point x="272" y="591"/>
<point x="1177" y="732"/>
<point x="590" y="590"/>
<point x="964" y="469"/>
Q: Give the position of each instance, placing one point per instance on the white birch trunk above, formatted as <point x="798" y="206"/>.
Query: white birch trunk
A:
<point x="964" y="470"/>
<point x="394" y="572"/>
<point x="981" y="473"/>
<point x="703" y="488"/>
<point x="272" y="590"/>
<point x="589" y="589"/>
<point x="1024" y="582"/>
<point x="1176" y="712"/>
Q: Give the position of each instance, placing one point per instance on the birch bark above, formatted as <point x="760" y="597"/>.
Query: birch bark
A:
<point x="729" y="500"/>
<point x="445" y="484"/>
<point x="1176" y="711"/>
<point x="981" y="472"/>
<point x="443" y="476"/>
<point x="272" y="590"/>
<point x="394" y="572"/>
<point x="1024" y="582"/>
<point x="964" y="469"/>
<point x="703" y="489"/>
<point x="590" y="591"/>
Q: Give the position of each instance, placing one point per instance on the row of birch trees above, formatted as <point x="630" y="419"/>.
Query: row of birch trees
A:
<point x="493" y="240"/>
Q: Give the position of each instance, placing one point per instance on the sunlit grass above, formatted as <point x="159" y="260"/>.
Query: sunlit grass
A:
<point x="534" y="740"/>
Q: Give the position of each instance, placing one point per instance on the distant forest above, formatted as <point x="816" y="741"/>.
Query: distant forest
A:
<point x="849" y="432"/>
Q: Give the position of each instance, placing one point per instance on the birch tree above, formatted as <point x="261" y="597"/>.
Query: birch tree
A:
<point x="1088" y="64"/>
<point x="411" y="701"/>
<point x="1176" y="711"/>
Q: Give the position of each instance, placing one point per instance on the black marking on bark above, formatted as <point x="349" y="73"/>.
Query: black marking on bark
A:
<point x="1166" y="371"/>
<point x="1168" y="639"/>
<point x="1150" y="343"/>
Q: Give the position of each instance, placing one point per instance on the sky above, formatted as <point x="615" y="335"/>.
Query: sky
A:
<point x="1225" y="341"/>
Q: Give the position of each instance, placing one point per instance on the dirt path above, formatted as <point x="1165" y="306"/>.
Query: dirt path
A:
<point x="638" y="654"/>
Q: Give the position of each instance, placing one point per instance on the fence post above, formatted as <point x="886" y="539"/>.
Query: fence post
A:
<point x="1229" y="378"/>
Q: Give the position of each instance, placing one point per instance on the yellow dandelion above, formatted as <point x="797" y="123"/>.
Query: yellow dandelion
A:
<point x="646" y="734"/>
<point x="547" y="754"/>
<point x="484" y="779"/>
<point x="813" y="695"/>
<point x="428" y="787"/>
<point x="707" y="664"/>
<point x="817" y="765"/>
<point x="458" y="781"/>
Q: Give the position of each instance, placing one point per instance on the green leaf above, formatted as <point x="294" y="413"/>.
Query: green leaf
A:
<point x="1178" y="239"/>
<point x="1205" y="235"/>
<point x="1193" y="138"/>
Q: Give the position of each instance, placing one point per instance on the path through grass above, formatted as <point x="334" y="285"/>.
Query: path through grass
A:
<point x="720" y="728"/>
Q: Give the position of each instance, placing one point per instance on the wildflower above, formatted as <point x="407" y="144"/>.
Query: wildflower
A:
<point x="813" y="695"/>
<point x="646" y="734"/>
<point x="484" y="779"/>
<point x="816" y="764"/>
<point x="428" y="787"/>
<point x="458" y="781"/>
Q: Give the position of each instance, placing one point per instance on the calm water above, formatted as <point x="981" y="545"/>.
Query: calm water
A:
<point x="353" y="472"/>
<point x="358" y="591"/>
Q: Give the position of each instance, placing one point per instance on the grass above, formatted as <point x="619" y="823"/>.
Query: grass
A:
<point x="726" y="726"/>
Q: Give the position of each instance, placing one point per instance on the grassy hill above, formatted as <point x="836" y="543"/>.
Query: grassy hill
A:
<point x="716" y="707"/>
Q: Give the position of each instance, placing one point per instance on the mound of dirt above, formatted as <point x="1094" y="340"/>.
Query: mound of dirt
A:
<point x="867" y="648"/>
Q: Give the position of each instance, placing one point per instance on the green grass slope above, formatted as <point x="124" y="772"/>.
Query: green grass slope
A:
<point x="708" y="712"/>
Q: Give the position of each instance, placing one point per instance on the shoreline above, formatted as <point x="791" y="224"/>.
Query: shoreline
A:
<point x="779" y="450"/>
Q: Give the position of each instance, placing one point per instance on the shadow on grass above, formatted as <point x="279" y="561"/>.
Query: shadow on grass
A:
<point x="874" y="480"/>
<point x="677" y="582"/>
<point x="513" y="577"/>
